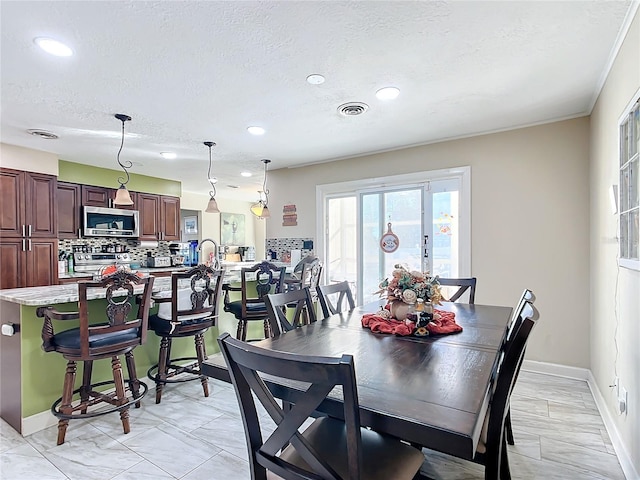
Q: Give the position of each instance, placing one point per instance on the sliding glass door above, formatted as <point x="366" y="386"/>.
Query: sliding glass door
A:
<point x="428" y="219"/>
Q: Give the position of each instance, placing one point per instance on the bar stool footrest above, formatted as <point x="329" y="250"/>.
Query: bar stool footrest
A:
<point x="174" y="370"/>
<point x="96" y="398"/>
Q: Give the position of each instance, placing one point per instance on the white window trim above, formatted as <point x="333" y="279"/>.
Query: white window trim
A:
<point x="418" y="178"/>
<point x="624" y="262"/>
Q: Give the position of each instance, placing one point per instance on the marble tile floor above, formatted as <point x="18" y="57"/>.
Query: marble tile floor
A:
<point x="558" y="430"/>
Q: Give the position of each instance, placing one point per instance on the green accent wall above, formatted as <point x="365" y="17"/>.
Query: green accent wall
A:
<point x="43" y="372"/>
<point x="105" y="177"/>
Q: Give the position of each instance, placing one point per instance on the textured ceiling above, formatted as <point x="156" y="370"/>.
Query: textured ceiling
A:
<point x="193" y="71"/>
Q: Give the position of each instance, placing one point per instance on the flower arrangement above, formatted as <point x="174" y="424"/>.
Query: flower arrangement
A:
<point x="408" y="286"/>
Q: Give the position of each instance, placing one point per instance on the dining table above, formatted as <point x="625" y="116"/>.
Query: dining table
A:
<point x="432" y="391"/>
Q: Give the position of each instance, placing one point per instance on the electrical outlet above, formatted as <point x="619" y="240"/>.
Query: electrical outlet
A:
<point x="622" y="400"/>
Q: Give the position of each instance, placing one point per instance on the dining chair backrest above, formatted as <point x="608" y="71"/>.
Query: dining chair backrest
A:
<point x="493" y="437"/>
<point x="527" y="296"/>
<point x="268" y="279"/>
<point x="298" y="300"/>
<point x="248" y="365"/>
<point x="463" y="284"/>
<point x="195" y="293"/>
<point x="343" y="293"/>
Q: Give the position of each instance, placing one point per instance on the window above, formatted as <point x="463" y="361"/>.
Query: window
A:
<point x="629" y="199"/>
<point x="429" y="213"/>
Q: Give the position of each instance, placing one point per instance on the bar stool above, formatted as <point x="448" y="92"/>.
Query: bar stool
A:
<point x="188" y="311"/>
<point x="116" y="334"/>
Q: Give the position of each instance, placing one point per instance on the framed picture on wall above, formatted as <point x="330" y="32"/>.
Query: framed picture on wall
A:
<point x="191" y="225"/>
<point x="232" y="229"/>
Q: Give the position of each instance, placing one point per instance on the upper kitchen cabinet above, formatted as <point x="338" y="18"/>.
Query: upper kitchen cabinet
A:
<point x="69" y="210"/>
<point x="93" y="196"/>
<point x="28" y="207"/>
<point x="159" y="217"/>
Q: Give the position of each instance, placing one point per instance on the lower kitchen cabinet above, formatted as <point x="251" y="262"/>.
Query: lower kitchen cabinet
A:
<point x="28" y="262"/>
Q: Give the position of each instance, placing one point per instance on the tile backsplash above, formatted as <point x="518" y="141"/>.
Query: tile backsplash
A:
<point x="283" y="246"/>
<point x="138" y="254"/>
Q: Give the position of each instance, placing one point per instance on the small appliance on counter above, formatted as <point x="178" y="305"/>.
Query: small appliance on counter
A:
<point x="155" y="262"/>
<point x="179" y="254"/>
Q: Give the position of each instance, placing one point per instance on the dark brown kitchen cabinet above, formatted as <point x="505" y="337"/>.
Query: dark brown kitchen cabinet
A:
<point x="69" y="210"/>
<point x="28" y="229"/>
<point x="28" y="262"/>
<point x="93" y="196"/>
<point x="159" y="217"/>
<point x="28" y="207"/>
<point x="170" y="218"/>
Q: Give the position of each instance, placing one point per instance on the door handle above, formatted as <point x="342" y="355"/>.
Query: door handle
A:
<point x="23" y="230"/>
<point x="29" y="232"/>
<point x="426" y="246"/>
<point x="24" y="245"/>
<point x="29" y="244"/>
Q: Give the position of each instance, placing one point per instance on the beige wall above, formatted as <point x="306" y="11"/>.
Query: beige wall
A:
<point x="27" y="159"/>
<point x="530" y="220"/>
<point x="615" y="292"/>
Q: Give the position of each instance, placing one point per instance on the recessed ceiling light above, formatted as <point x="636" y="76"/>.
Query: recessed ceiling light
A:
<point x="256" y="130"/>
<point x="168" y="155"/>
<point x="388" y="93"/>
<point x="233" y="186"/>
<point x="315" y="79"/>
<point x="53" y="47"/>
<point x="246" y="174"/>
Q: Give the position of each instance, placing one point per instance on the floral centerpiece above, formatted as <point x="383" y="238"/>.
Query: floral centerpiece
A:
<point x="406" y="287"/>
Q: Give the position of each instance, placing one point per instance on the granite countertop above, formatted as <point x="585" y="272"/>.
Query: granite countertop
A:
<point x="54" y="294"/>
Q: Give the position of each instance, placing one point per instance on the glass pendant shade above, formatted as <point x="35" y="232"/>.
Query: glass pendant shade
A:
<point x="212" y="206"/>
<point x="122" y="196"/>
<point x="265" y="212"/>
<point x="257" y="208"/>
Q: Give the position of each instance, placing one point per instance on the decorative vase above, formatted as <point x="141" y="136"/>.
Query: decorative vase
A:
<point x="399" y="310"/>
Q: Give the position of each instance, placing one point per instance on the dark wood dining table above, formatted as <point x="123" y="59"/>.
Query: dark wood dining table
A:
<point x="433" y="391"/>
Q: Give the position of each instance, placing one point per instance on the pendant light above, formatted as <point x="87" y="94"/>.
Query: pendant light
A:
<point x="212" y="206"/>
<point x="122" y="195"/>
<point x="260" y="209"/>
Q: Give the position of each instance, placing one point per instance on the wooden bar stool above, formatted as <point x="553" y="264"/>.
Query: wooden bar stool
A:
<point x="190" y="310"/>
<point x="118" y="333"/>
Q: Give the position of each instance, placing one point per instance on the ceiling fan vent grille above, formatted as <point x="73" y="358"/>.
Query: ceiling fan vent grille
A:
<point x="43" y="134"/>
<point x="352" y="108"/>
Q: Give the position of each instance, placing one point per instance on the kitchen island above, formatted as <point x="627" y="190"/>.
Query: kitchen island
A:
<point x="32" y="379"/>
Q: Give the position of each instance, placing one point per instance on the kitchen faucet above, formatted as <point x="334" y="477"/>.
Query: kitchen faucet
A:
<point x="215" y="263"/>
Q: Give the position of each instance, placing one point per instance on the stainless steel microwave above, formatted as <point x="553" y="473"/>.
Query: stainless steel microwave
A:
<point x="110" y="222"/>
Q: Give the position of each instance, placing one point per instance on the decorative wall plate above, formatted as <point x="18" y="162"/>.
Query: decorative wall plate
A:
<point x="389" y="242"/>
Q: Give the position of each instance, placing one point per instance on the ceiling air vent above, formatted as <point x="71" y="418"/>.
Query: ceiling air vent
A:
<point x="43" y="134"/>
<point x="352" y="108"/>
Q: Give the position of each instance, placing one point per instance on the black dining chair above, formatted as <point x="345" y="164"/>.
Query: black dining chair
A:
<point x="256" y="282"/>
<point x="340" y="290"/>
<point x="329" y="448"/>
<point x="189" y="310"/>
<point x="492" y="446"/>
<point x="114" y="333"/>
<point x="527" y="296"/>
<point x="279" y="304"/>
<point x="463" y="284"/>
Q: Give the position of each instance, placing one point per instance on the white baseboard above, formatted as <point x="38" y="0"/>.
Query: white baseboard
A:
<point x="38" y="422"/>
<point x="628" y="468"/>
